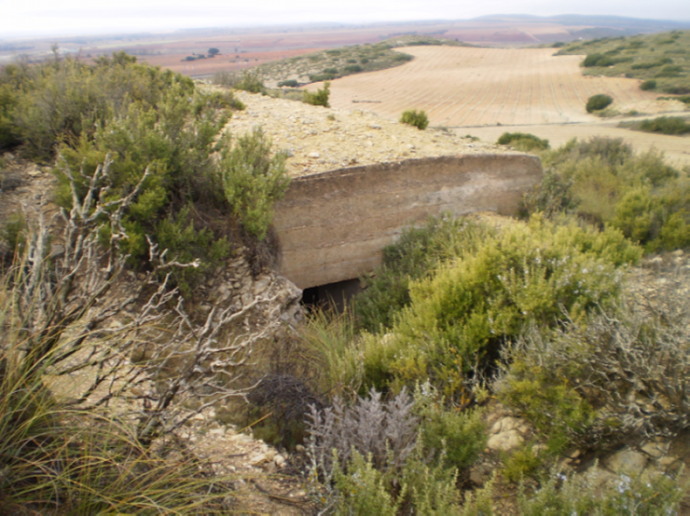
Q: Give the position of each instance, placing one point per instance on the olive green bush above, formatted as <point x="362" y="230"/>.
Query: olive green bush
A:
<point x="598" y="60"/>
<point x="169" y="147"/>
<point x="630" y="493"/>
<point x="674" y="125"/>
<point x="523" y="141"/>
<point x="361" y="489"/>
<point x="318" y="97"/>
<point x="461" y="317"/>
<point x="253" y="179"/>
<point x="150" y="126"/>
<point x="416" y="254"/>
<point x="61" y="100"/>
<point x="415" y="118"/>
<point x="649" y="84"/>
<point x="598" y="102"/>
<point x="448" y="435"/>
<point x="248" y="80"/>
<point x="601" y="181"/>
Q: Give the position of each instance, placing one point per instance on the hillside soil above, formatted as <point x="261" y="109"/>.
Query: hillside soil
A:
<point x="319" y="139"/>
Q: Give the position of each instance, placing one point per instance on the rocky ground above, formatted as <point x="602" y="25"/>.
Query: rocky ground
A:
<point x="319" y="139"/>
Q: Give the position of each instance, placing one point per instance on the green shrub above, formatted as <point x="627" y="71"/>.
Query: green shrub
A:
<point x="649" y="84"/>
<point x="552" y="196"/>
<point x="665" y="125"/>
<point x="428" y="487"/>
<point x="598" y="60"/>
<point x="290" y="83"/>
<point x="603" y="182"/>
<point x="169" y="148"/>
<point x="548" y="401"/>
<point x="353" y="69"/>
<point x="321" y="77"/>
<point x="598" y="102"/>
<point x="253" y="179"/>
<point x="249" y="81"/>
<point x="319" y="97"/>
<point x="123" y="123"/>
<point x="361" y="489"/>
<point x="658" y="220"/>
<point x="415" y="118"/>
<point x="522" y="463"/>
<point x="588" y="383"/>
<point x="449" y="436"/>
<point x="416" y="253"/>
<point x="60" y="100"/>
<point x="631" y="493"/>
<point x="459" y="319"/>
<point x="523" y="141"/>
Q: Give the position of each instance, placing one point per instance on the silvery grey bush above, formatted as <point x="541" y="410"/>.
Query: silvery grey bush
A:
<point x="384" y="430"/>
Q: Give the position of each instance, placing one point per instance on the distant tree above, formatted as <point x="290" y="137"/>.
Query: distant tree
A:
<point x="213" y="51"/>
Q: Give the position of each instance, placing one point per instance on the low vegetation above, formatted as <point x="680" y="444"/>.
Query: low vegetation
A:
<point x="673" y="125"/>
<point x="603" y="182"/>
<point x="248" y="80"/>
<point x="155" y="131"/>
<point x="340" y="62"/>
<point x="596" y="103"/>
<point x="415" y="118"/>
<point x="661" y="61"/>
<point x="319" y="97"/>
<point x="523" y="141"/>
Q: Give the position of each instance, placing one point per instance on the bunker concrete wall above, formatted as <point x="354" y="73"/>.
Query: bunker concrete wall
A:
<point x="334" y="225"/>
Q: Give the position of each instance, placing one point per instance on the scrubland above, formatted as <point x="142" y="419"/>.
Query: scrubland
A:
<point x="490" y="366"/>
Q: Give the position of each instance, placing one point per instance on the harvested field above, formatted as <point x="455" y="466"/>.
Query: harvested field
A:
<point x="459" y="86"/>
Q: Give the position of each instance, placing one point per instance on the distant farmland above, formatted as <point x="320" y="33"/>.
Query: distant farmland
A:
<point x="459" y="86"/>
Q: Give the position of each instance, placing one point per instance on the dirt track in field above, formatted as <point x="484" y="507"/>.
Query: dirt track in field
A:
<point x="488" y="86"/>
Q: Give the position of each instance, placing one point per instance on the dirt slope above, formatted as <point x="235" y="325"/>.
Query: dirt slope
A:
<point x="320" y="139"/>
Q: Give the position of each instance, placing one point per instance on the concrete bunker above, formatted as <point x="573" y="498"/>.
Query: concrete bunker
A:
<point x="333" y="226"/>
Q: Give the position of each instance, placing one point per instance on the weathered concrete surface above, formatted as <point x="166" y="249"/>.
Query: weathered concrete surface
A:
<point x="333" y="226"/>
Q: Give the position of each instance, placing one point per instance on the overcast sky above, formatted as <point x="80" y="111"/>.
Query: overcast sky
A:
<point x="69" y="17"/>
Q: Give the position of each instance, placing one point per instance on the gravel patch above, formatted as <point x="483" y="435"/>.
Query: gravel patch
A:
<point x="319" y="139"/>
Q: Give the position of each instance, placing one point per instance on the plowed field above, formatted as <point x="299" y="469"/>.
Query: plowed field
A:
<point x="459" y="86"/>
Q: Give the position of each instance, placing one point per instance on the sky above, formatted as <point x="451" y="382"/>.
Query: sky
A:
<point x="29" y="18"/>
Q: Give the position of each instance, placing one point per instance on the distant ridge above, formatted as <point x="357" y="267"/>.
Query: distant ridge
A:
<point x="605" y="21"/>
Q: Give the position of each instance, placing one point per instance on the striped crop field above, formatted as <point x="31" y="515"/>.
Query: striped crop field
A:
<point x="464" y="87"/>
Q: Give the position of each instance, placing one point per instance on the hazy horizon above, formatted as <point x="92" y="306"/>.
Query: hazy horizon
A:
<point x="41" y="18"/>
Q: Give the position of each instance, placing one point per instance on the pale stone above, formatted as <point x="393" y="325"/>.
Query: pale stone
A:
<point x="626" y="461"/>
<point x="656" y="448"/>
